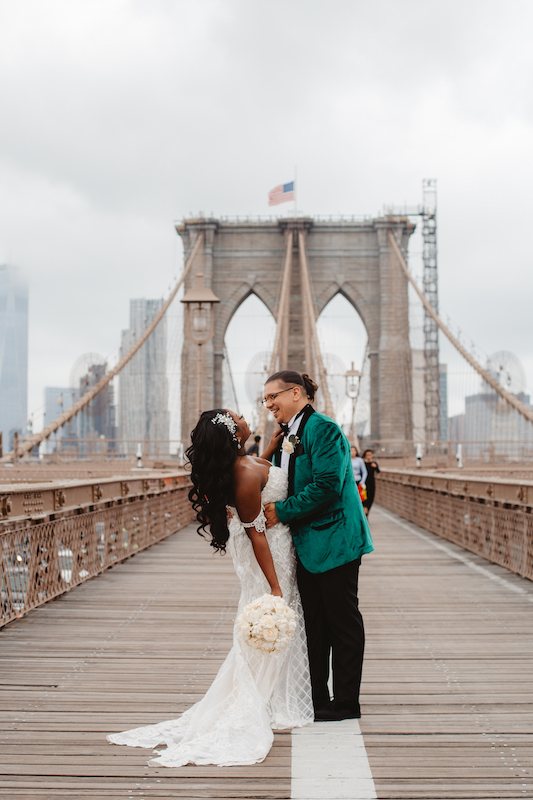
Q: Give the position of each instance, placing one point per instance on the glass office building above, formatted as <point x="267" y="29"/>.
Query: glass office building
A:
<point x="58" y="399"/>
<point x="13" y="354"/>
<point x="143" y="395"/>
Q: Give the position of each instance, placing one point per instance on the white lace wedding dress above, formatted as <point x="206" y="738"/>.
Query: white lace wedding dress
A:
<point x="253" y="692"/>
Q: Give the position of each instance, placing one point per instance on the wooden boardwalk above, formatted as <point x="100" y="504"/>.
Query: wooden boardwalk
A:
<point x="447" y="688"/>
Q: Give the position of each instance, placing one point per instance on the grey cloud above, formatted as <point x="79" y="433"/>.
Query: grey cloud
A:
<point x="120" y="117"/>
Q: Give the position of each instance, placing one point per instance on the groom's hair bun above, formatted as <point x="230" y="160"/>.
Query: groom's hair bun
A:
<point x="288" y="376"/>
<point x="310" y="386"/>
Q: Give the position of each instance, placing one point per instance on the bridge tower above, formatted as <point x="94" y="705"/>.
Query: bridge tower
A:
<point x="350" y="257"/>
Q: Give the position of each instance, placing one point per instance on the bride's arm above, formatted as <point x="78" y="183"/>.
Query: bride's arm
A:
<point x="248" y="502"/>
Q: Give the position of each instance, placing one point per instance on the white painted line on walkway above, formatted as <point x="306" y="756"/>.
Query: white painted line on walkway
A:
<point x="458" y="556"/>
<point x="329" y="762"/>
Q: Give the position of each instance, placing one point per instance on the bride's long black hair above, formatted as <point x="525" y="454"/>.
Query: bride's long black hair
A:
<point x="212" y="455"/>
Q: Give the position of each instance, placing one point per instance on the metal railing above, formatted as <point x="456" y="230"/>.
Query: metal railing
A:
<point x="56" y="536"/>
<point x="490" y="517"/>
<point x="434" y="454"/>
<point x="103" y="449"/>
<point x="274" y="219"/>
<point x="444" y="454"/>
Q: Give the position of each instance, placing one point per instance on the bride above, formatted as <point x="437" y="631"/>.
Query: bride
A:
<point x="254" y="691"/>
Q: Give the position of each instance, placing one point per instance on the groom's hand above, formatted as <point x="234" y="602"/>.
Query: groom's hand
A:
<point x="270" y="514"/>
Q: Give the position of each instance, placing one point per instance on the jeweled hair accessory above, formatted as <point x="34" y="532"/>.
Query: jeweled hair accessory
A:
<point x="231" y="425"/>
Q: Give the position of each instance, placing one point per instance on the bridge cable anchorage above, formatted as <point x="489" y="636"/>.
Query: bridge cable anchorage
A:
<point x="309" y="312"/>
<point x="35" y="440"/>
<point x="487" y="377"/>
<point x="281" y="327"/>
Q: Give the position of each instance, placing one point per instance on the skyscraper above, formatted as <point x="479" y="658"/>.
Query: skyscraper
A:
<point x="13" y="353"/>
<point x="58" y="399"/>
<point x="143" y="395"/>
<point x="98" y="419"/>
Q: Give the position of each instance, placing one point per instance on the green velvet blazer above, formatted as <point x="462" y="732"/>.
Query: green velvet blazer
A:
<point x="324" y="510"/>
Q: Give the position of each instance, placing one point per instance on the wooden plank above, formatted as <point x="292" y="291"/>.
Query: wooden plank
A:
<point x="447" y="685"/>
<point x="137" y="646"/>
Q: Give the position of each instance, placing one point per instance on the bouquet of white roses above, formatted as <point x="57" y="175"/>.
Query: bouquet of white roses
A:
<point x="267" y="623"/>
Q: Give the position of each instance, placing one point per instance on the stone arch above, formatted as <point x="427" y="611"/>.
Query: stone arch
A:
<point x="231" y="306"/>
<point x="357" y="300"/>
<point x="244" y="338"/>
<point x="342" y="333"/>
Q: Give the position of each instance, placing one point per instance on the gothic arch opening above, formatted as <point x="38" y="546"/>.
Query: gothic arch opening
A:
<point x="248" y="343"/>
<point x="343" y="340"/>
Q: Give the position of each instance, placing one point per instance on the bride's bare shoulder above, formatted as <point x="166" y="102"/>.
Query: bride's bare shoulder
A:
<point x="263" y="461"/>
<point x="249" y="471"/>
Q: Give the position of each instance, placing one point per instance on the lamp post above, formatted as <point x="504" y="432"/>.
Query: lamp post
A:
<point x="353" y="378"/>
<point x="199" y="324"/>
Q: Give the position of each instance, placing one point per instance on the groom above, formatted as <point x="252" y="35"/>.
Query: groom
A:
<point x="330" y="533"/>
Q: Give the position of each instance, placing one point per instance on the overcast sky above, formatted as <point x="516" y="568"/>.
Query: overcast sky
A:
<point x="121" y="116"/>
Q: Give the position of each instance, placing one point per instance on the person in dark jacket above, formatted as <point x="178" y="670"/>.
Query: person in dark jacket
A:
<point x="253" y="450"/>
<point x="372" y="468"/>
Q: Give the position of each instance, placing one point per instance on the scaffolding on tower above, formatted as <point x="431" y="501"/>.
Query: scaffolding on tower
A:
<point x="431" y="291"/>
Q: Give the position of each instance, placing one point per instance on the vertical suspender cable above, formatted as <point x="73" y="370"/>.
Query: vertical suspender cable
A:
<point x="307" y="315"/>
<point x="307" y="298"/>
<point x="281" y="326"/>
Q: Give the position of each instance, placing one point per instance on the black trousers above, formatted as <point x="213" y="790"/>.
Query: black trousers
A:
<point x="333" y="623"/>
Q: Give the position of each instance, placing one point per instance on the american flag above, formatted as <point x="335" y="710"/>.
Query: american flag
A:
<point x="281" y="194"/>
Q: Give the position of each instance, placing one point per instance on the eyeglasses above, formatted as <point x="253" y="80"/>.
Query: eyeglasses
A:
<point x="270" y="397"/>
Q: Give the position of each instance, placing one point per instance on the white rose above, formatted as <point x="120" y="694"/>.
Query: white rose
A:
<point x="270" y="635"/>
<point x="287" y="447"/>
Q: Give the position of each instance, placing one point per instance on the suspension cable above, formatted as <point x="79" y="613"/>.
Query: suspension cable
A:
<point x="309" y="309"/>
<point x="487" y="377"/>
<point x="281" y="326"/>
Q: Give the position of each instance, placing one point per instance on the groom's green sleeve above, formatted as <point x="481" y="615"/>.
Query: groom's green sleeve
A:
<point x="328" y="463"/>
